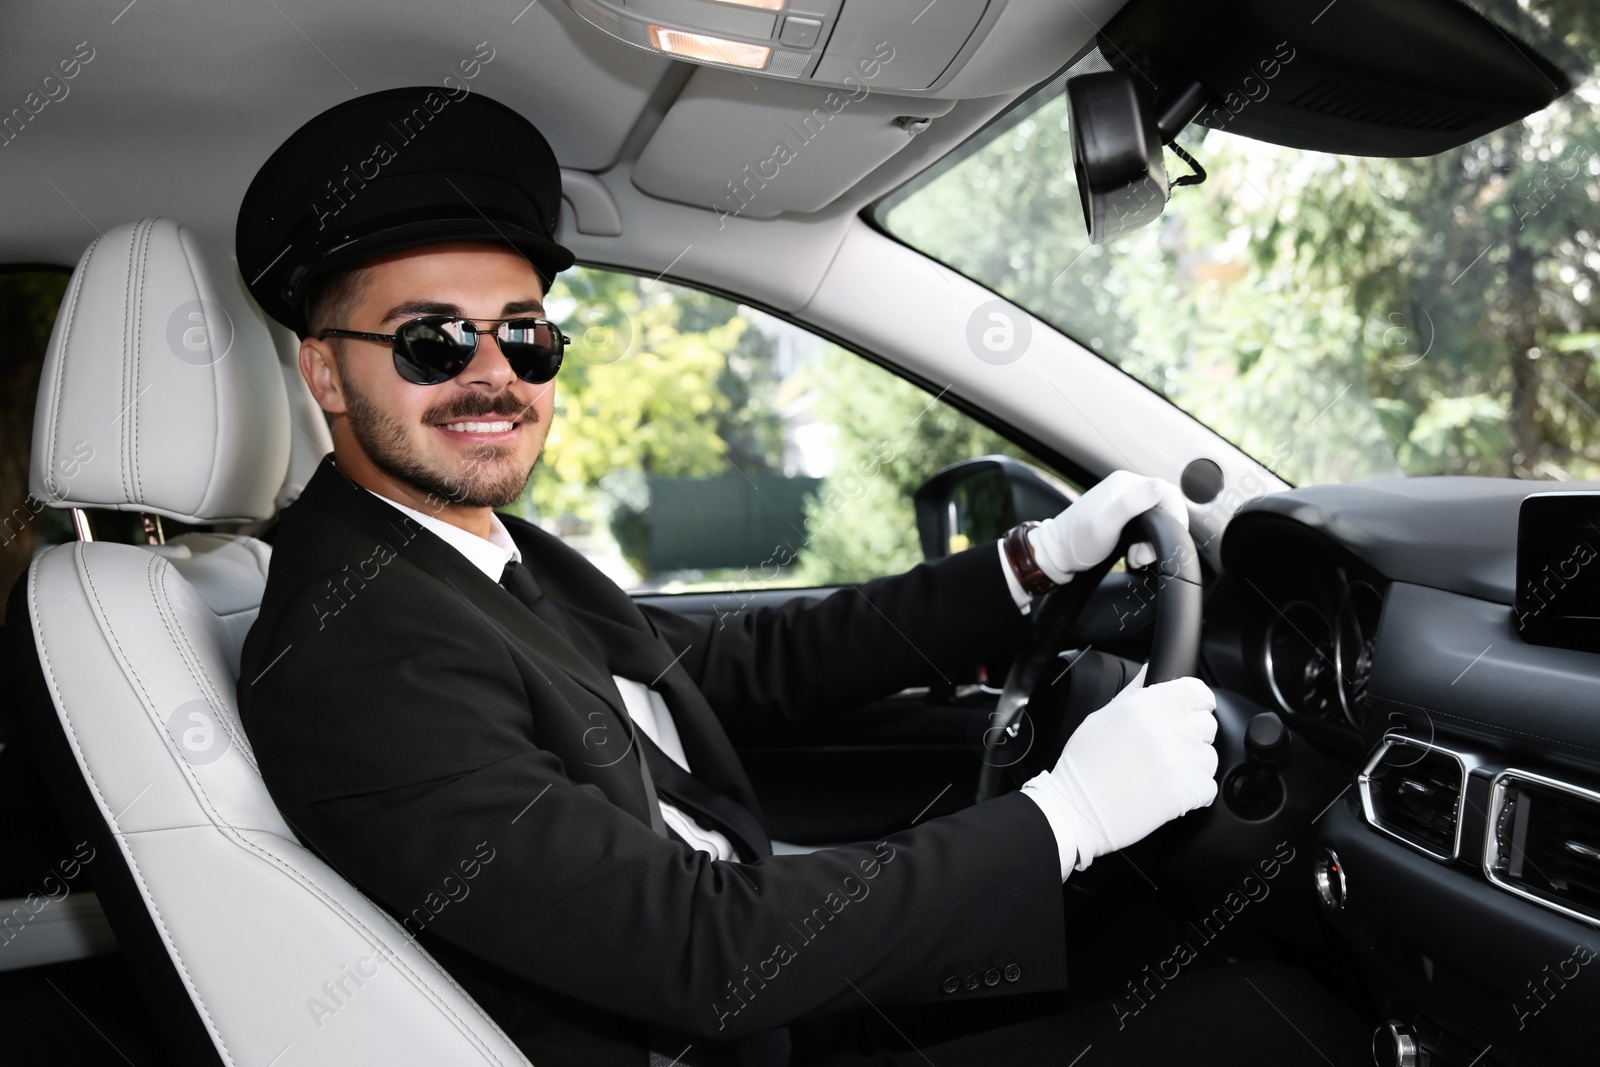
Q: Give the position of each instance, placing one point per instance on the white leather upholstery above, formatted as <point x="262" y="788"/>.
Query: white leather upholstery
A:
<point x="153" y="396"/>
<point x="141" y="673"/>
<point x="229" y="575"/>
<point x="282" y="959"/>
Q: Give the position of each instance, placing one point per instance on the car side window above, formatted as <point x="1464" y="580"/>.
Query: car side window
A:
<point x="29" y="298"/>
<point x="701" y="444"/>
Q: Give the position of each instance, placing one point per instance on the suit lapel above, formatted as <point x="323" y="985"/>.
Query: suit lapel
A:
<point x="633" y="650"/>
<point x="547" y="645"/>
<point x="631" y="647"/>
<point x="543" y="647"/>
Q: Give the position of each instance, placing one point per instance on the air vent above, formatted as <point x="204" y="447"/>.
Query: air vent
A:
<point x="1383" y="107"/>
<point x="1411" y="790"/>
<point x="1544" y="842"/>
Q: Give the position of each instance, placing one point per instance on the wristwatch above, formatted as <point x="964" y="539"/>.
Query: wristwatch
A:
<point x="1019" y="551"/>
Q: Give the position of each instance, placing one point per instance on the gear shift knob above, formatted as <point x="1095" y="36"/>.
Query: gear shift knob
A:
<point x="1254" y="789"/>
<point x="1266" y="740"/>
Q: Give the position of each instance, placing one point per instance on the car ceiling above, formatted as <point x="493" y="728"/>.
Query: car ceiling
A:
<point x="182" y="102"/>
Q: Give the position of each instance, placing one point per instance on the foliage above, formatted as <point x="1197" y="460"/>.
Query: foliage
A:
<point x="891" y="437"/>
<point x="661" y="380"/>
<point x="671" y="382"/>
<point x="1337" y="317"/>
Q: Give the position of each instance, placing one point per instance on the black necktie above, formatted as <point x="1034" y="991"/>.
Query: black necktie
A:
<point x="522" y="585"/>
<point x="670" y="781"/>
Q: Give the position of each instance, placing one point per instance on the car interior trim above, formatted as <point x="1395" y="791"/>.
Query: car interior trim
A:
<point x="1364" y="787"/>
<point x="1499" y="797"/>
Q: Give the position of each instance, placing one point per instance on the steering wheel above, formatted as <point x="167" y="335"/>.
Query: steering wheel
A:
<point x="1174" y="648"/>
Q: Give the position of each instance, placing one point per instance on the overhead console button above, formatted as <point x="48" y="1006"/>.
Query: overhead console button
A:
<point x="799" y="32"/>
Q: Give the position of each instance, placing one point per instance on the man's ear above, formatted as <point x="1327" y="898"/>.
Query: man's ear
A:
<point x="319" y="368"/>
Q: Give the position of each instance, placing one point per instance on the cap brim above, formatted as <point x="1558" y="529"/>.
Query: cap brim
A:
<point x="545" y="256"/>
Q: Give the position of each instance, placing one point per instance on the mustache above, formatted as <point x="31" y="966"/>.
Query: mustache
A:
<point x="471" y="406"/>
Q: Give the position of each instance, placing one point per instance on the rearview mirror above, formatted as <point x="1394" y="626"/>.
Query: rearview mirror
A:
<point x="978" y="500"/>
<point x="1116" y="154"/>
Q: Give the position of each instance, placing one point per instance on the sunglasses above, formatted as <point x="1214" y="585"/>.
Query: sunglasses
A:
<point x="436" y="348"/>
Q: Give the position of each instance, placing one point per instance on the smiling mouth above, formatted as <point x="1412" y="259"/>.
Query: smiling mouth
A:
<point x="496" y="426"/>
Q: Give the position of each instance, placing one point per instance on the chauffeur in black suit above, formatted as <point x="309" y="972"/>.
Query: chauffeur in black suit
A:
<point x="492" y="740"/>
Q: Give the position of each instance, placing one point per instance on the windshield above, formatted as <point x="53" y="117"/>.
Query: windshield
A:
<point x="1336" y="317"/>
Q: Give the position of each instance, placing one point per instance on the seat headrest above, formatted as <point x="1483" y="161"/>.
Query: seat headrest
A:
<point x="160" y="390"/>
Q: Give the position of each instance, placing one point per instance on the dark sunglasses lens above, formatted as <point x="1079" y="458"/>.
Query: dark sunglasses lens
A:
<point x="430" y="351"/>
<point x="533" y="347"/>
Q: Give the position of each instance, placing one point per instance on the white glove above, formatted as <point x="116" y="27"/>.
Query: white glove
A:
<point x="1139" y="762"/>
<point x="1087" y="532"/>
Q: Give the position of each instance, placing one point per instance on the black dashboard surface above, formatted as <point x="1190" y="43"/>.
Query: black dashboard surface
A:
<point x="1454" y="534"/>
<point x="1354" y="607"/>
<point x="1378" y="611"/>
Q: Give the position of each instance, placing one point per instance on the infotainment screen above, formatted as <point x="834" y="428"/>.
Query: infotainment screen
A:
<point x="1558" y="570"/>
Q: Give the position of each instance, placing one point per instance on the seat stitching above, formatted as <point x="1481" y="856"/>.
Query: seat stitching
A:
<point x="122" y="430"/>
<point x="138" y="352"/>
<point x="128" y="346"/>
<point x="334" y="905"/>
<point x="61" y="362"/>
<point x="1487" y="725"/>
<point x="304" y="879"/>
<point x="155" y="574"/>
<point x="133" y="864"/>
<point x="214" y="480"/>
<point x="328" y="900"/>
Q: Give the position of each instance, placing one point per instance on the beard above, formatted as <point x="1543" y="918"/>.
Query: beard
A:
<point x="486" y="479"/>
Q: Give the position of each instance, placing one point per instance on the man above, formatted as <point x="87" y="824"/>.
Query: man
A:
<point x="488" y="737"/>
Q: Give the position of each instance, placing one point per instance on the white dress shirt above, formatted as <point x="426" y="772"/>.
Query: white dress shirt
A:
<point x="644" y="705"/>
<point x="650" y="713"/>
<point x="1018" y="594"/>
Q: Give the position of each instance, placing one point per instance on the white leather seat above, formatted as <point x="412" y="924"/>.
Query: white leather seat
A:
<point x="161" y="394"/>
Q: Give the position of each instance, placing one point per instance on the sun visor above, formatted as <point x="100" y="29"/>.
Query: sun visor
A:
<point x="792" y="147"/>
<point x="1360" y="77"/>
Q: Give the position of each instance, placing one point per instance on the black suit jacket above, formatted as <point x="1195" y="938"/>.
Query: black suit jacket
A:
<point x="457" y="760"/>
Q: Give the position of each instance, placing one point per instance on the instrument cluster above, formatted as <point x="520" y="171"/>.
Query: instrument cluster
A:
<point x="1315" y="649"/>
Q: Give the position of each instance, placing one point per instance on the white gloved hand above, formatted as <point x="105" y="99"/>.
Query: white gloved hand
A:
<point x="1142" y="760"/>
<point x="1087" y="532"/>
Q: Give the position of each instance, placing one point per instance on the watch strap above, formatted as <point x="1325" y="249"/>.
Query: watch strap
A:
<point x="1019" y="551"/>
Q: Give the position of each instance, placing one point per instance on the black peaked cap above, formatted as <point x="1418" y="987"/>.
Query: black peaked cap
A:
<point x="394" y="170"/>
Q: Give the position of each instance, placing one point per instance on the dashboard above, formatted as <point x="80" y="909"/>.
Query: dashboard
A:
<point x="1294" y="626"/>
<point x="1462" y="859"/>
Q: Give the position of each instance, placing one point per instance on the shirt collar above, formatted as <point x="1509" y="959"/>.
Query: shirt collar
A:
<point x="488" y="555"/>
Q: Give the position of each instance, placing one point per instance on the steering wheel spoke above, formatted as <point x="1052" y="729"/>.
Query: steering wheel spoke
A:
<point x="1012" y="733"/>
